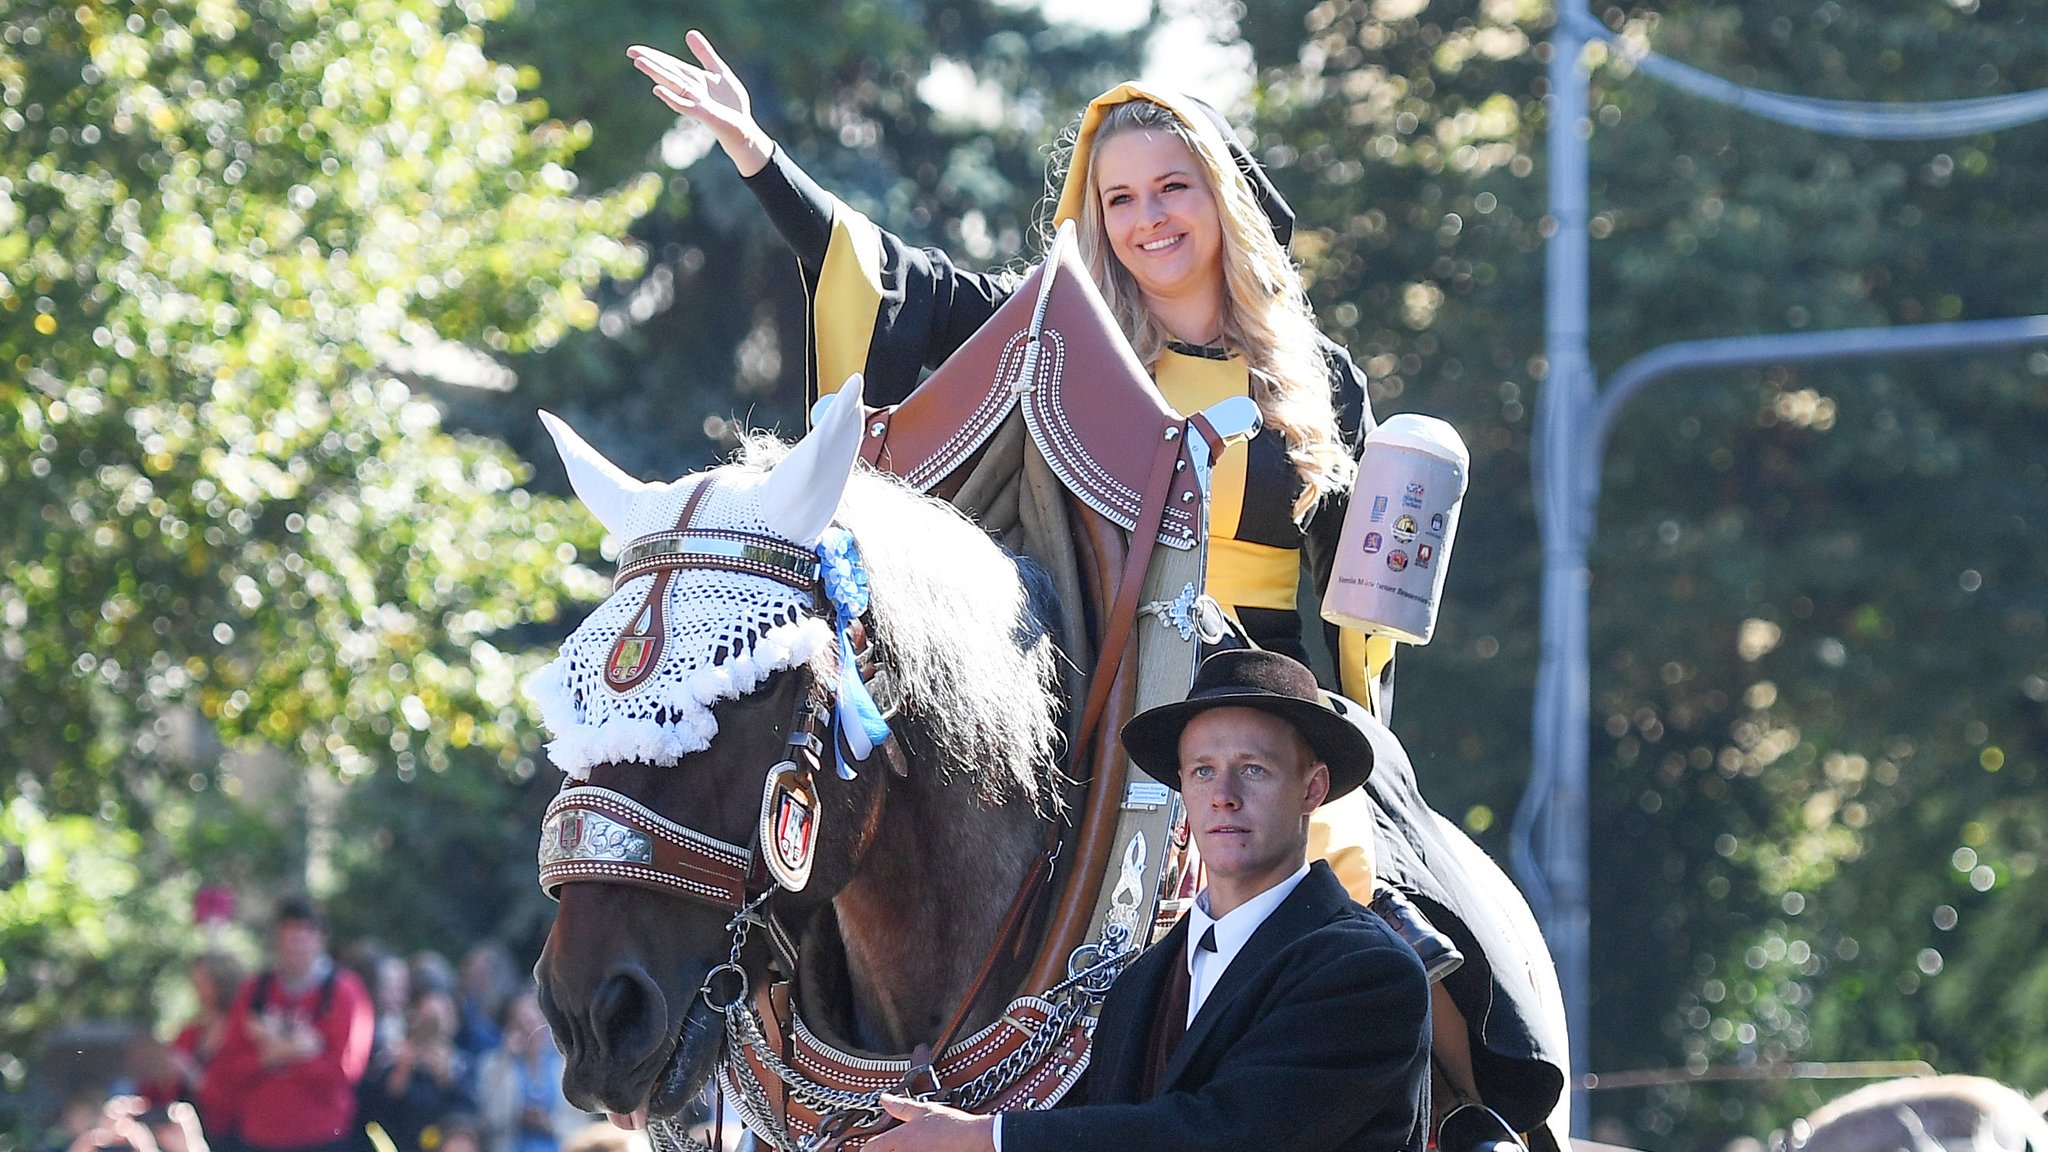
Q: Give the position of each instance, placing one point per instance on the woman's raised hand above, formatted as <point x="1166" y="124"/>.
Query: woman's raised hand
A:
<point x="710" y="94"/>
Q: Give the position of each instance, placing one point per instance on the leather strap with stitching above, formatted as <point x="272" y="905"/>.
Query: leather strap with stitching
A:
<point x="596" y="834"/>
<point x="1125" y="612"/>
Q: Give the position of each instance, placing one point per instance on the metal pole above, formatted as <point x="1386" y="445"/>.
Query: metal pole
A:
<point x="1549" y="845"/>
<point x="1799" y="347"/>
<point x="1550" y="841"/>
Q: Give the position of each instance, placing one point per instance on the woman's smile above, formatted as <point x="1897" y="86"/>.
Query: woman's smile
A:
<point x="1161" y="217"/>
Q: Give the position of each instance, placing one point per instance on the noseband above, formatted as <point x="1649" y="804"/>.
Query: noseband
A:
<point x="592" y="833"/>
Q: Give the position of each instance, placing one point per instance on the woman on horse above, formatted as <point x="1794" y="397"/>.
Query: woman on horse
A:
<point x="1186" y="240"/>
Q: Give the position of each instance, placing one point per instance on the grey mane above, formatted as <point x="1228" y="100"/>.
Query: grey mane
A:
<point x="965" y="632"/>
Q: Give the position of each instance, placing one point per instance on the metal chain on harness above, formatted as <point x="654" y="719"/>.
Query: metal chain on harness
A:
<point x="668" y="1135"/>
<point x="839" y="1109"/>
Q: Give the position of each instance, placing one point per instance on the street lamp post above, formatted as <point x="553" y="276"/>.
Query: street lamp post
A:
<point x="1550" y="848"/>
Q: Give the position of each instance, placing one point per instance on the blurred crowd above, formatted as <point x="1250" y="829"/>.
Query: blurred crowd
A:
<point x="363" y="1052"/>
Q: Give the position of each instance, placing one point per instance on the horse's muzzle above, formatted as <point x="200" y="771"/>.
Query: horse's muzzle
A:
<point x="630" y="1046"/>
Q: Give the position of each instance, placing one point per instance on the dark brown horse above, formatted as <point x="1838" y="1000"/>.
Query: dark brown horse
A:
<point x="683" y="690"/>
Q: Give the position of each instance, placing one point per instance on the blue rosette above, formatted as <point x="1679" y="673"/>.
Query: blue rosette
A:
<point x="845" y="580"/>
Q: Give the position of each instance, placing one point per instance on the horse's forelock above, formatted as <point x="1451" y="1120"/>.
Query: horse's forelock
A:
<point x="965" y="636"/>
<point x="965" y="630"/>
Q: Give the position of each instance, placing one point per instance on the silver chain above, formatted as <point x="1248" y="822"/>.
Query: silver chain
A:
<point x="1070" y="999"/>
<point x="672" y="1136"/>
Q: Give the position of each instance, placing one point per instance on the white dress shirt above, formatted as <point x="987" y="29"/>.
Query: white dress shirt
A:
<point x="1206" y="967"/>
<point x="1235" y="927"/>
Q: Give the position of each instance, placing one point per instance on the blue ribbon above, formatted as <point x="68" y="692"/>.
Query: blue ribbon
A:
<point x="845" y="579"/>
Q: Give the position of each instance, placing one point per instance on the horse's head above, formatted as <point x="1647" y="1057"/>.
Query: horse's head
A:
<point x="713" y="719"/>
<point x="625" y="978"/>
<point x="669" y="706"/>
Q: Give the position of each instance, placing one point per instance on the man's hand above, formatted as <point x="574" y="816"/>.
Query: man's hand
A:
<point x="305" y="1040"/>
<point x="271" y="1034"/>
<point x="933" y="1128"/>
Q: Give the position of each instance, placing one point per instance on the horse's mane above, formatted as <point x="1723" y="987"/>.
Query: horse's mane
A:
<point x="964" y="630"/>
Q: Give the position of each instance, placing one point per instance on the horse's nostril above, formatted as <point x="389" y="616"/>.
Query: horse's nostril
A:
<point x="559" y="1026"/>
<point x="627" y="1014"/>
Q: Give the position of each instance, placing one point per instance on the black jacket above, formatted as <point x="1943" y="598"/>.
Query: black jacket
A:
<point x="1315" y="1040"/>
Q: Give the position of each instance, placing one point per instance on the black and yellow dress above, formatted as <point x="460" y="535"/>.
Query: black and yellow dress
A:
<point x="891" y="311"/>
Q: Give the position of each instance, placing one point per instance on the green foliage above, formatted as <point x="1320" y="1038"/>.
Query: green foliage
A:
<point x="441" y="860"/>
<point x="220" y="226"/>
<point x="80" y="916"/>
<point x="1818" y="681"/>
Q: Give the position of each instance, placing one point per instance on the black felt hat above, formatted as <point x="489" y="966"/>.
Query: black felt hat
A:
<point x="1249" y="678"/>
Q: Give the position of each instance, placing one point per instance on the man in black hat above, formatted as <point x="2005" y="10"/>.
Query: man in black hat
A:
<point x="1277" y="1013"/>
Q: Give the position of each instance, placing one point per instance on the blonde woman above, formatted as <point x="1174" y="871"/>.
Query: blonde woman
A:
<point x="1186" y="238"/>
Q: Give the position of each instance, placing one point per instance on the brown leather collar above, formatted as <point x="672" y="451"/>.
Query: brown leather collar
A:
<point x="1037" y="1086"/>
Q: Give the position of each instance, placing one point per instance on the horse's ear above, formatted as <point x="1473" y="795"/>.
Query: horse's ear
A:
<point x="802" y="495"/>
<point x="599" y="483"/>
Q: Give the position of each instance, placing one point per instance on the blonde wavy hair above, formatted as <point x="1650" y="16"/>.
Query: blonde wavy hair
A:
<point x="1266" y="316"/>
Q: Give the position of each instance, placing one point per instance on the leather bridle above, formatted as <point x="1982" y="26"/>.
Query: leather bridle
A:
<point x="594" y="834"/>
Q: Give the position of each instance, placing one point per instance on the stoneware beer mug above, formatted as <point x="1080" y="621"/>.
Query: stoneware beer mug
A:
<point x="1389" y="572"/>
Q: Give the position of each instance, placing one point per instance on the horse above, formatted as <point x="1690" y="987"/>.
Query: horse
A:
<point x="774" y="609"/>
<point x="1923" y="1114"/>
<point x="720" y="717"/>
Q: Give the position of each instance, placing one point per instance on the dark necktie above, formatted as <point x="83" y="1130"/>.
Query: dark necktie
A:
<point x="1170" y="1018"/>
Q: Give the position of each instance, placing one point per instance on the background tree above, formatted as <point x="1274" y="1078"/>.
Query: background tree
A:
<point x="219" y="226"/>
<point x="1817" y="661"/>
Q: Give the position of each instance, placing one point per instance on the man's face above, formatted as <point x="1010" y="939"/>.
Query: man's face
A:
<point x="299" y="946"/>
<point x="1249" y="781"/>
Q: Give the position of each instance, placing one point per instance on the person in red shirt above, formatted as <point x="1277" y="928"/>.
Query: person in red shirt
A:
<point x="177" y="1069"/>
<point x="297" y="1041"/>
